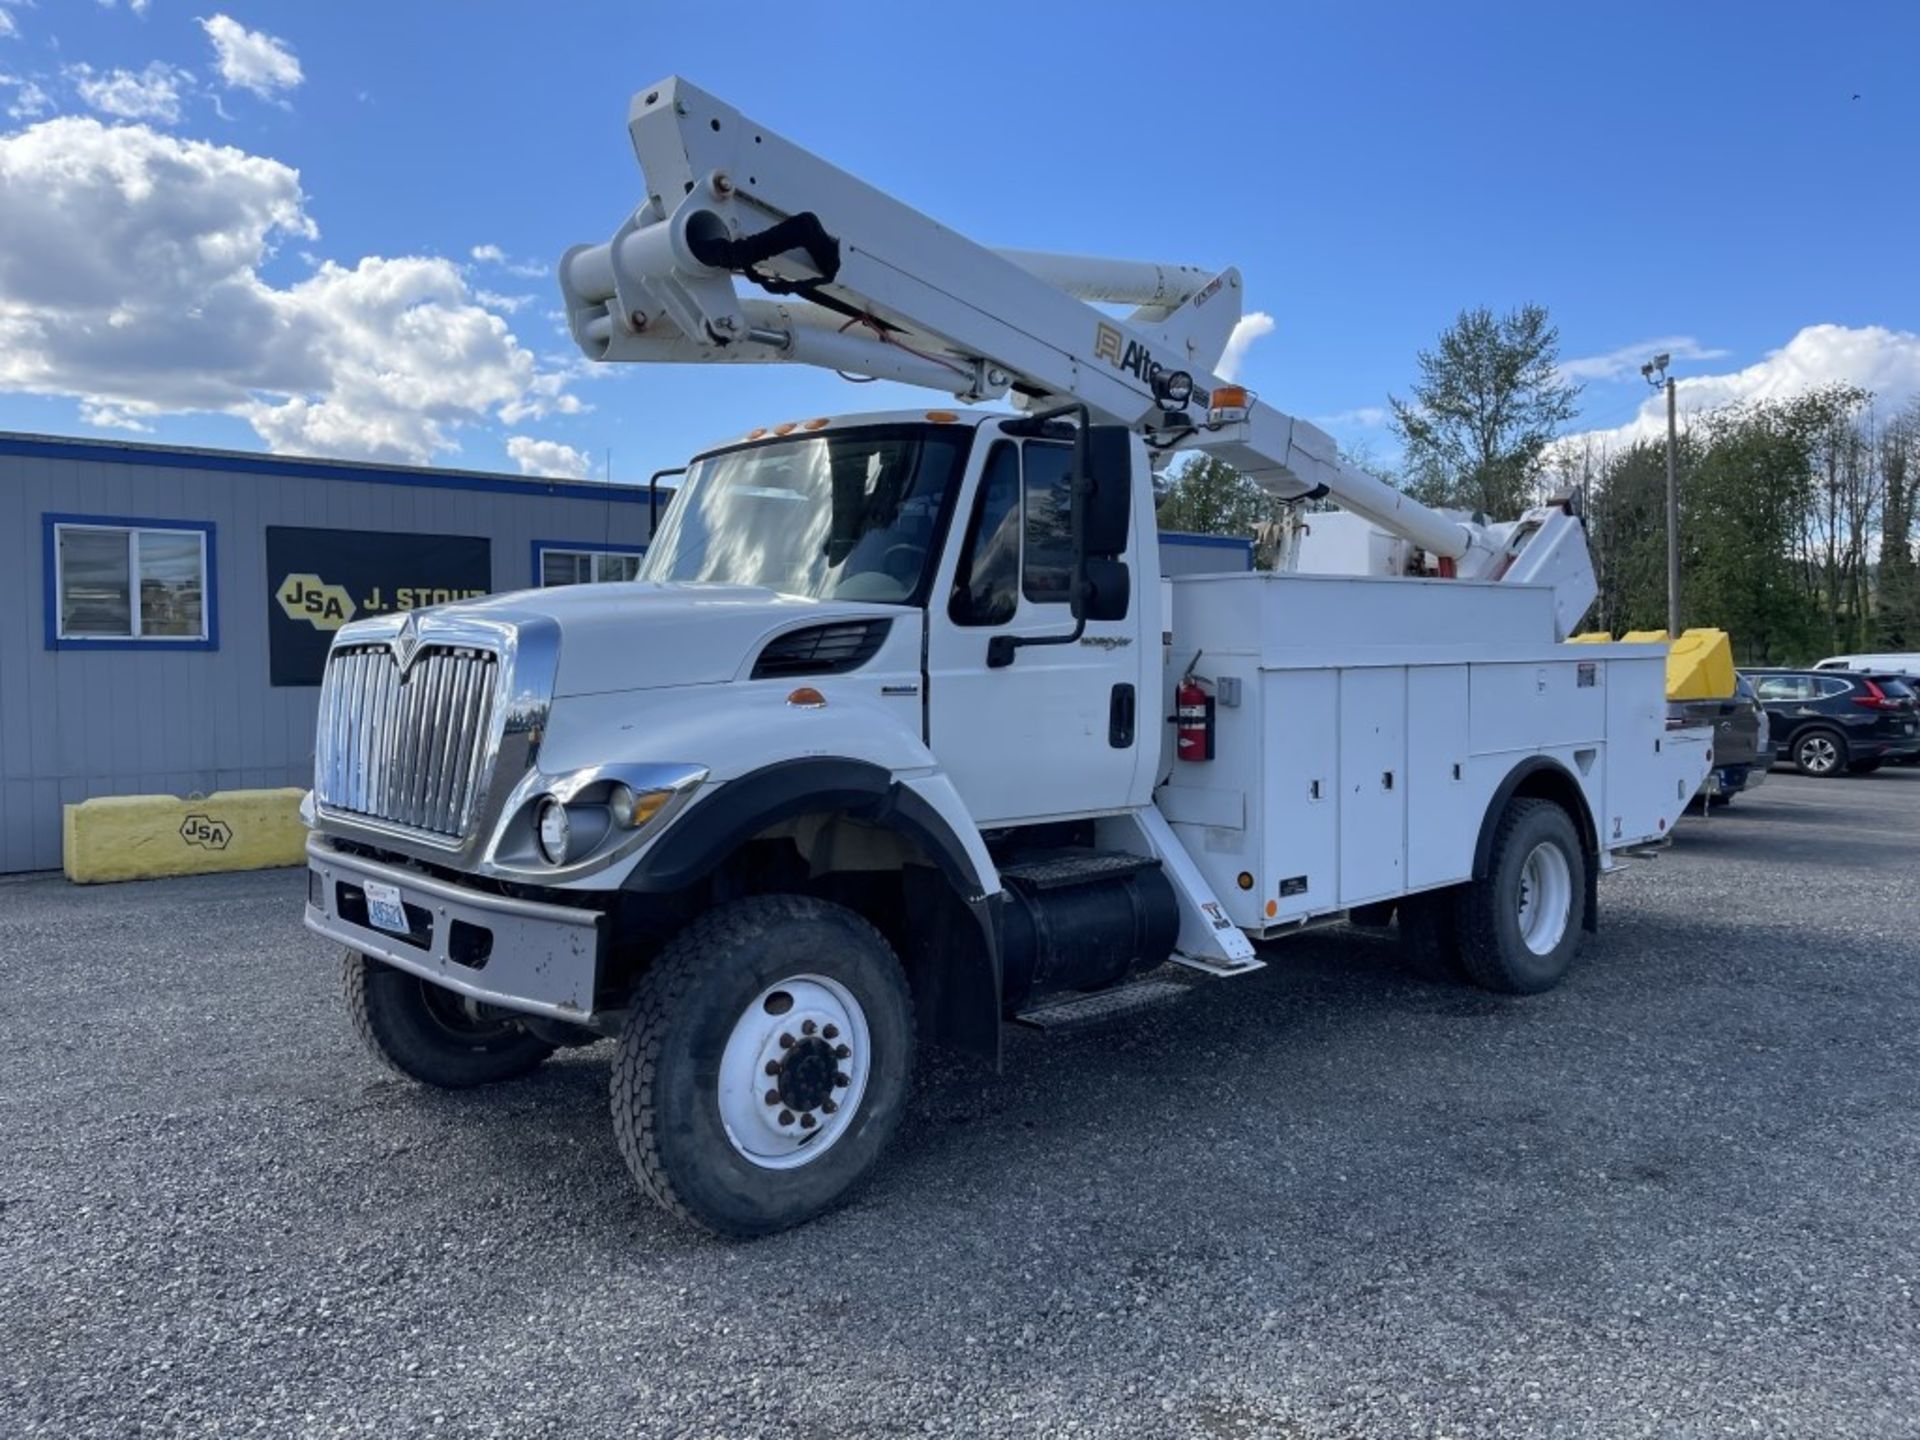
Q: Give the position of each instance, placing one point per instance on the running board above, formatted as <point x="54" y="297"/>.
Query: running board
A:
<point x="1074" y="1012"/>
<point x="1220" y="969"/>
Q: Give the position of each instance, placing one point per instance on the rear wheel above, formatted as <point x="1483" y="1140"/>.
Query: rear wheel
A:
<point x="1520" y="926"/>
<point x="764" y="1064"/>
<point x="1819" y="753"/>
<point x="429" y="1034"/>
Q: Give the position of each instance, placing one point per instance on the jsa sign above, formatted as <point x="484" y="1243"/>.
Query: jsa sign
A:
<point x="321" y="579"/>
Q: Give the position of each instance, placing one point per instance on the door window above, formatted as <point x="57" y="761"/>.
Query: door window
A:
<point x="1047" y="575"/>
<point x="986" y="587"/>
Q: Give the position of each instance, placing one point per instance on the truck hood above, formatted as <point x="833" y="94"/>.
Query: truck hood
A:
<point x="642" y="635"/>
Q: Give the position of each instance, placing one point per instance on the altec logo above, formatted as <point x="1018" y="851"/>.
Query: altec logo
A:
<point x="1123" y="354"/>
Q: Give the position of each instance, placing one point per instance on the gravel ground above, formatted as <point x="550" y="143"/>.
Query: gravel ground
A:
<point x="1676" y="1197"/>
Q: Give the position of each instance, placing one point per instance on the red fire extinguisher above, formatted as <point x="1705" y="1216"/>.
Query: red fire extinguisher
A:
<point x="1193" y="721"/>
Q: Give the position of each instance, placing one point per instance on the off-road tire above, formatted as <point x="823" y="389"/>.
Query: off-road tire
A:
<point x="1429" y="926"/>
<point x="1813" y="761"/>
<point x="666" y="1109"/>
<point x="1493" y="953"/>
<point x="413" y="1029"/>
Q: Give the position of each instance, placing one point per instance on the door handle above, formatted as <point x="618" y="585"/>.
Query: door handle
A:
<point x="1120" y="717"/>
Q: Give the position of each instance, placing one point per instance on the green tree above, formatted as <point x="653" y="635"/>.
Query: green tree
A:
<point x="1897" y="603"/>
<point x="1627" y="526"/>
<point x="1488" y="400"/>
<point x="1207" y="496"/>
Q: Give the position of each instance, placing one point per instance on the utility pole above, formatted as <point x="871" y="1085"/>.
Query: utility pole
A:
<point x="1656" y="375"/>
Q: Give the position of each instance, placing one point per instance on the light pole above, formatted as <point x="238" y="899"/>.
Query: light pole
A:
<point x="1655" y="371"/>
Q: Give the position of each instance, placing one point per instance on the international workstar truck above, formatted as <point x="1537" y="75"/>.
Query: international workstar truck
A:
<point x="900" y="734"/>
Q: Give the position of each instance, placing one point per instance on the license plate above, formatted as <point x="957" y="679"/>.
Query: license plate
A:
<point x="384" y="909"/>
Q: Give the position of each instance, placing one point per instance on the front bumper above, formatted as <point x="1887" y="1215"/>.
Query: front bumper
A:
<point x="522" y="955"/>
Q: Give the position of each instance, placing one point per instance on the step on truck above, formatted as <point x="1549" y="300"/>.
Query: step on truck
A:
<point x="901" y="735"/>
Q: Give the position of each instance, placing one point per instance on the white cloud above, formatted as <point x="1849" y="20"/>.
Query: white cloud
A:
<point x="494" y="255"/>
<point x="1361" y="416"/>
<point x="494" y="300"/>
<point x="545" y="395"/>
<point x="29" y="101"/>
<point x="152" y="94"/>
<point x="115" y="417"/>
<point x="1627" y="360"/>
<point x="7" y="28"/>
<point x="1886" y="362"/>
<point x="1252" y="325"/>
<point x="252" y="59"/>
<point x="129" y="279"/>
<point x="547" y="457"/>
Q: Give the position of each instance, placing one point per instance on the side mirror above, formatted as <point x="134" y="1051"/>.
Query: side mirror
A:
<point x="1109" y="588"/>
<point x="1109" y="502"/>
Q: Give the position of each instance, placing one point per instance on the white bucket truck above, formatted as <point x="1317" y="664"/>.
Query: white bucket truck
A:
<point x="901" y="735"/>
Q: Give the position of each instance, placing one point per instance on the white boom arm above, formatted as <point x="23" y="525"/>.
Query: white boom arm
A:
<point x="856" y="281"/>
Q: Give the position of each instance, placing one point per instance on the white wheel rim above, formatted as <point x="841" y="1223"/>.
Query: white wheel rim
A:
<point x="1546" y="897"/>
<point x="794" y="1071"/>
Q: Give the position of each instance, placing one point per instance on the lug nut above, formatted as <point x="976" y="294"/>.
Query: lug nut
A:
<point x="773" y="1067"/>
<point x="786" y="1041"/>
<point x="807" y="1122"/>
<point x="773" y="1097"/>
<point x="786" y="1117"/>
<point x="841" y="1080"/>
<point x="841" y="1052"/>
<point x="806" y="1027"/>
<point x="829" y="1106"/>
<point x="832" y="1032"/>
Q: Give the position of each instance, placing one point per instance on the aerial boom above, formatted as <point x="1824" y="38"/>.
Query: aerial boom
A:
<point x="854" y="280"/>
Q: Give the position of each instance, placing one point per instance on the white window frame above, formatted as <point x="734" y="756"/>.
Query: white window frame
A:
<point x="131" y="534"/>
<point x="595" y="554"/>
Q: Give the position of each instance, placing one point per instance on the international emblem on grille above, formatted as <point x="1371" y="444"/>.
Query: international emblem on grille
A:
<point x="405" y="645"/>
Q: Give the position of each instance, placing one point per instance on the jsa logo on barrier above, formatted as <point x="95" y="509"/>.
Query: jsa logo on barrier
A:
<point x="206" y="832"/>
<point x="309" y="598"/>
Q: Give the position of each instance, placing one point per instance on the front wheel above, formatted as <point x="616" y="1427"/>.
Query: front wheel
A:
<point x="1520" y="926"/>
<point x="764" y="1064"/>
<point x="426" y="1033"/>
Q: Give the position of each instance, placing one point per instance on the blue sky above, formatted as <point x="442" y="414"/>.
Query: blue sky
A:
<point x="1698" y="175"/>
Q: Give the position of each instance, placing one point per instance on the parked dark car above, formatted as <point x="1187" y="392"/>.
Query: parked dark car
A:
<point x="1826" y="721"/>
<point x="1742" y="740"/>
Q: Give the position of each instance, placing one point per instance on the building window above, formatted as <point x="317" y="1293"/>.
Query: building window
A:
<point x="573" y="564"/>
<point x="115" y="583"/>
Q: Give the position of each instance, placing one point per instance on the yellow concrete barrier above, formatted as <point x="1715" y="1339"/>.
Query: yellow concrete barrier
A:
<point x="142" y="837"/>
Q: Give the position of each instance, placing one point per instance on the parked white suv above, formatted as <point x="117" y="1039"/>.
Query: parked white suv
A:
<point x="1900" y="663"/>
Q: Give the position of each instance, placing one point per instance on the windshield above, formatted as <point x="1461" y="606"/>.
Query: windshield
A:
<point x="851" y="515"/>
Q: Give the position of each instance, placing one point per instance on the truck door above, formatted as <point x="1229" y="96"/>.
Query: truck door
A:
<point x="1064" y="729"/>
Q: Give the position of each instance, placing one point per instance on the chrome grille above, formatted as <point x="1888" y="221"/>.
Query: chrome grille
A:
<point x="406" y="750"/>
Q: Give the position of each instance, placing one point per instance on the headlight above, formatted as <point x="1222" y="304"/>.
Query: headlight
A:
<point x="555" y="831"/>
